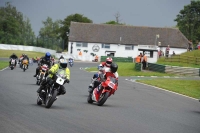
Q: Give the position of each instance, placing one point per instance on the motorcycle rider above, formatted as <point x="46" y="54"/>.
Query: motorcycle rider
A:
<point x="70" y="60"/>
<point x="112" y="71"/>
<point x="13" y="56"/>
<point x="50" y="79"/>
<point x="25" y="58"/>
<point x="20" y="58"/>
<point x="43" y="60"/>
<point x="61" y="57"/>
<point x="103" y="65"/>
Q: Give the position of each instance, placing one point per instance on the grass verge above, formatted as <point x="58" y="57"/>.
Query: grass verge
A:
<point x="3" y="64"/>
<point x="189" y="88"/>
<point x="186" y="87"/>
<point x="127" y="69"/>
<point x="8" y="53"/>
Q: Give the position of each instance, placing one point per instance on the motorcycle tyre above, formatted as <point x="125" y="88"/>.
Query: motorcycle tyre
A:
<point x="39" y="101"/>
<point x="41" y="78"/>
<point x="103" y="100"/>
<point x="49" y="102"/>
<point x="89" y="99"/>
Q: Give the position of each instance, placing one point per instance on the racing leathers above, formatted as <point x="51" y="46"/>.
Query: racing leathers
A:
<point x="41" y="62"/>
<point x="51" y="78"/>
<point x="105" y="72"/>
<point x="13" y="56"/>
<point x="25" y="58"/>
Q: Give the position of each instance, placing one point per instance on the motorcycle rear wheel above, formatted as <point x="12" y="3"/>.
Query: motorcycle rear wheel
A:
<point x="103" y="98"/>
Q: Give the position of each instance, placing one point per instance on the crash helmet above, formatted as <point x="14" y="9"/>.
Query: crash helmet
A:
<point x="63" y="63"/>
<point x="108" y="61"/>
<point x="113" y="67"/>
<point x="47" y="56"/>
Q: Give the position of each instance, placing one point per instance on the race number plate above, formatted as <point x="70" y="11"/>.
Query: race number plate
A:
<point x="111" y="85"/>
<point x="60" y="81"/>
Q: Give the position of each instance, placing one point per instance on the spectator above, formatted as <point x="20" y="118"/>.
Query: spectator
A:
<point x="190" y="47"/>
<point x="144" y="62"/>
<point x="138" y="59"/>
<point x="167" y="51"/>
<point x="173" y="53"/>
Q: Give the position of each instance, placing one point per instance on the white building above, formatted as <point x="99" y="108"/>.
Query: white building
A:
<point x="123" y="41"/>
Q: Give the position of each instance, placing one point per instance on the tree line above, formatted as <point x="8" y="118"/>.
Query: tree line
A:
<point x="15" y="28"/>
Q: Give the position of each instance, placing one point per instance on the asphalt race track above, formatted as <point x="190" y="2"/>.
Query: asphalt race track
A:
<point x="135" y="108"/>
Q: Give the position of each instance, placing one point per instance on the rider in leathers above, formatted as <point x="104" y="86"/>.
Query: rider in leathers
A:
<point x="43" y="60"/>
<point x="25" y="58"/>
<point x="50" y="79"/>
<point x="13" y="56"/>
<point x="112" y="71"/>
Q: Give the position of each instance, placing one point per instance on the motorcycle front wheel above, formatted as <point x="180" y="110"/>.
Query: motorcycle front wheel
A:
<point x="103" y="98"/>
<point x="89" y="99"/>
<point x="39" y="101"/>
<point x="50" y="98"/>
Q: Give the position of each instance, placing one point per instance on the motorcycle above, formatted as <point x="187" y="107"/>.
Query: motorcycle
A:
<point x="20" y="62"/>
<point x="12" y="64"/>
<point x="50" y="95"/>
<point x="24" y="65"/>
<point x="101" y="93"/>
<point x="43" y="70"/>
<point x="71" y="63"/>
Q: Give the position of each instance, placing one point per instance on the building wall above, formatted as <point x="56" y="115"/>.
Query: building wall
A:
<point x="119" y="51"/>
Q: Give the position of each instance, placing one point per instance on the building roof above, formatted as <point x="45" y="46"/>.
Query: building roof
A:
<point x="123" y="34"/>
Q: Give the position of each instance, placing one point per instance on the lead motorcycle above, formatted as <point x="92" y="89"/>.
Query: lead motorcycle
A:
<point x="41" y="76"/>
<point x="50" y="95"/>
<point x="12" y="63"/>
<point x="101" y="93"/>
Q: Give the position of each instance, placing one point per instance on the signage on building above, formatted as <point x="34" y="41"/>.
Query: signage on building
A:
<point x="95" y="48"/>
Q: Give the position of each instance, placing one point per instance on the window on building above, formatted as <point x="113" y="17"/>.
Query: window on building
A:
<point x="107" y="46"/>
<point x="84" y="44"/>
<point x="80" y="44"/>
<point x="129" y="47"/>
<point x="151" y="54"/>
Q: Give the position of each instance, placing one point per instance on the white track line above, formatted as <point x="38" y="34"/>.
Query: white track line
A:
<point x="4" y="69"/>
<point x="163" y="89"/>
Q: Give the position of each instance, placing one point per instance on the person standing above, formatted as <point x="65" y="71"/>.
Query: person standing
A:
<point x="144" y="62"/>
<point x="167" y="51"/>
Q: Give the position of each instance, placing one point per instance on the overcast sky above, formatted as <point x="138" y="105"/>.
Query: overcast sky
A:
<point x="155" y="13"/>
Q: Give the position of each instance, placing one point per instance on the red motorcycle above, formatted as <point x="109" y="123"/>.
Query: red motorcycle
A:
<point x="101" y="93"/>
<point x="43" y="70"/>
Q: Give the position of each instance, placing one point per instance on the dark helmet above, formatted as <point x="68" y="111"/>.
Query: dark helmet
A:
<point x="113" y="67"/>
<point x="47" y="56"/>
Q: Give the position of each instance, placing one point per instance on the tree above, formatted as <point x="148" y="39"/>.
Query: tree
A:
<point x="117" y="20"/>
<point x="66" y="24"/>
<point x="13" y="26"/>
<point x="188" y="21"/>
<point x="49" y="34"/>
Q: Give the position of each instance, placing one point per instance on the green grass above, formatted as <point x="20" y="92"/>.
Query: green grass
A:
<point x="127" y="69"/>
<point x="3" y="64"/>
<point x="8" y="53"/>
<point x="186" y="87"/>
<point x="184" y="57"/>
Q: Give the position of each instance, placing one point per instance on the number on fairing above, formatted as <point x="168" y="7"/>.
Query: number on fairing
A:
<point x="60" y="81"/>
<point x="111" y="85"/>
